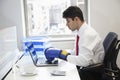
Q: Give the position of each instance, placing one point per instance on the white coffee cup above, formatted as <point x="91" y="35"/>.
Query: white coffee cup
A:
<point x="27" y="70"/>
<point x="26" y="66"/>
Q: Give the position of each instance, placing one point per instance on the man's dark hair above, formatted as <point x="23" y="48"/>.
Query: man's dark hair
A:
<point x="72" y="12"/>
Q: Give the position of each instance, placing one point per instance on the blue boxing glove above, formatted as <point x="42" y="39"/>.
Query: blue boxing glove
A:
<point x="52" y="53"/>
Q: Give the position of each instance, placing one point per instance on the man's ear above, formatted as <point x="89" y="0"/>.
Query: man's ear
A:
<point x="76" y="19"/>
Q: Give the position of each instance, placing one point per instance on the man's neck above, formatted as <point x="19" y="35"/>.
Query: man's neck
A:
<point x="80" y="24"/>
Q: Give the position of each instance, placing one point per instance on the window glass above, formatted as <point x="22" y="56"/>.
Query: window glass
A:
<point x="45" y="16"/>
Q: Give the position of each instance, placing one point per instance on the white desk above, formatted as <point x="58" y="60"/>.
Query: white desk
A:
<point x="44" y="73"/>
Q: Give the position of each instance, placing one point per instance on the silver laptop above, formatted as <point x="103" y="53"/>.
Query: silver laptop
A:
<point x="40" y="60"/>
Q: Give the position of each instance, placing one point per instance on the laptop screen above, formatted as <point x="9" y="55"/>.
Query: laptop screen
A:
<point x="32" y="52"/>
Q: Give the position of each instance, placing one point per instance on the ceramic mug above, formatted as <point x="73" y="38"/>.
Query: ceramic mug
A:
<point x="27" y="70"/>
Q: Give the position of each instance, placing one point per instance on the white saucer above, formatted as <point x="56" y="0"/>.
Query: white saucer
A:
<point x="28" y="74"/>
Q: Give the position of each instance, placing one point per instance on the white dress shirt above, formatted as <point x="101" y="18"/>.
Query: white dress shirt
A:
<point x="91" y="49"/>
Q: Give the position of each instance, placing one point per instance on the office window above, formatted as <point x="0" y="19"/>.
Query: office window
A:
<point x="44" y="17"/>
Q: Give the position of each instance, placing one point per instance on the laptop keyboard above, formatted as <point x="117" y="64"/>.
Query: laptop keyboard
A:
<point x="41" y="60"/>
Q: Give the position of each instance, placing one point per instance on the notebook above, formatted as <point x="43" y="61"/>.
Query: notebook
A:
<point x="39" y="61"/>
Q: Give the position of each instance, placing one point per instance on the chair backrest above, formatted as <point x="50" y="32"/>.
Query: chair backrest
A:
<point x="109" y="44"/>
<point x="114" y="57"/>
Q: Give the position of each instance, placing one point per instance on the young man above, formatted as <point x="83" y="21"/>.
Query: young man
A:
<point x="89" y="47"/>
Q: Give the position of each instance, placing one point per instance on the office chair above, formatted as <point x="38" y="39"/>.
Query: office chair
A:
<point x="108" y="70"/>
<point x="111" y="70"/>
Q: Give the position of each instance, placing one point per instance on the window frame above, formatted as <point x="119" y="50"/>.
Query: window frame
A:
<point x="87" y="16"/>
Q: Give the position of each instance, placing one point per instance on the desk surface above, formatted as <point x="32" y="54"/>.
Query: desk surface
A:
<point x="43" y="73"/>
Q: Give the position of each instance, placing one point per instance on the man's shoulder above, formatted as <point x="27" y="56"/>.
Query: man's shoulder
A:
<point x="91" y="32"/>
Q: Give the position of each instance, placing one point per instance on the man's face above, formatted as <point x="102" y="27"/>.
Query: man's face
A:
<point x="71" y="24"/>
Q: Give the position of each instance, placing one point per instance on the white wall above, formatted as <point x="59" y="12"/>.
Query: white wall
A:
<point x="11" y="14"/>
<point x="105" y="17"/>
